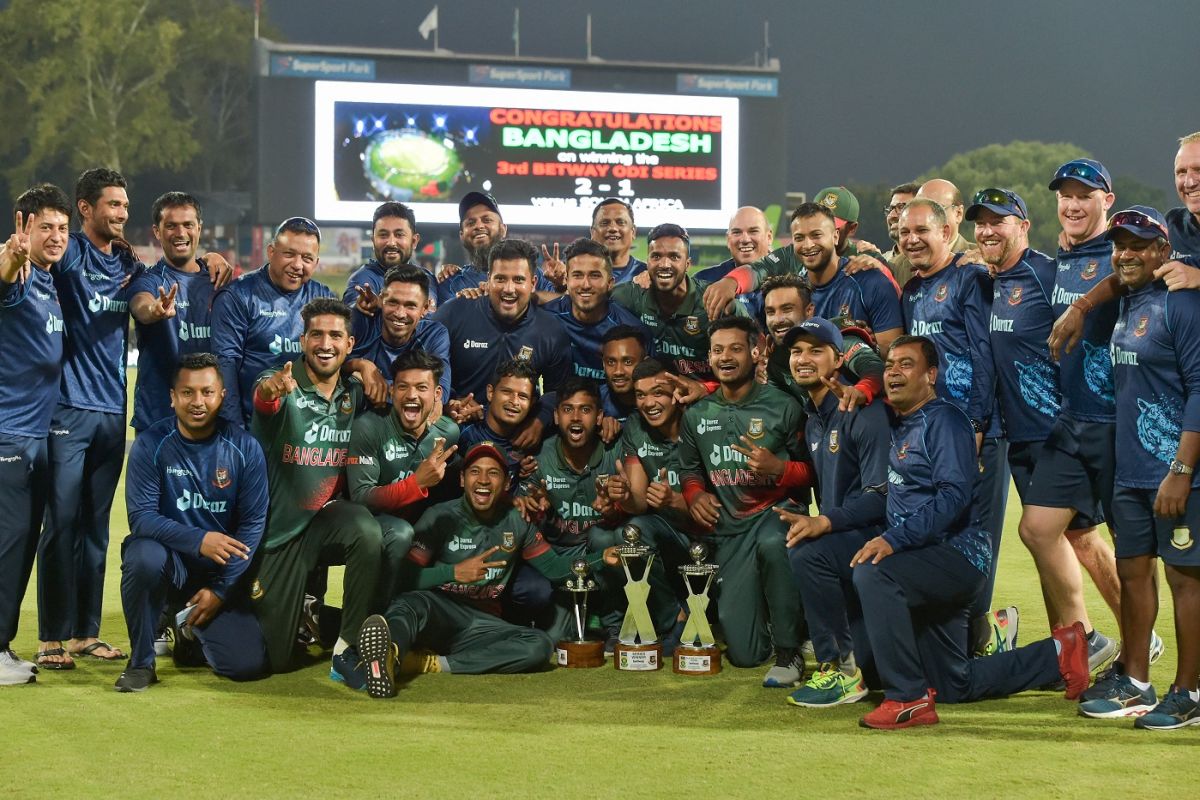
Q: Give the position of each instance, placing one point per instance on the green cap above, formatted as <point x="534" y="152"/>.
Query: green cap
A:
<point x="840" y="201"/>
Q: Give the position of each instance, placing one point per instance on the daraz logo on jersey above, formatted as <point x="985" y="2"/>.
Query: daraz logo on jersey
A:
<point x="706" y="425"/>
<point x="282" y="345"/>
<point x="325" y="434"/>
<point x="189" y="500"/>
<point x="460" y="543"/>
<point x="53" y="324"/>
<point x="395" y="451"/>
<point x="188" y="331"/>
<point x="726" y="453"/>
<point x="101" y="303"/>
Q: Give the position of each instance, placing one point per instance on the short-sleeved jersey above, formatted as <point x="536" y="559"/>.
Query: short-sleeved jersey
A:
<point x="869" y="296"/>
<point x="178" y="489"/>
<point x="951" y="308"/>
<point x="634" y="267"/>
<point x="1184" y="230"/>
<point x="31" y="327"/>
<point x="586" y="339"/>
<point x="708" y="432"/>
<point x="305" y="439"/>
<point x="1085" y="374"/>
<point x="256" y="327"/>
<point x="383" y="453"/>
<point x="93" y="292"/>
<point x="1027" y="391"/>
<point x="614" y="406"/>
<point x="161" y="343"/>
<point x="570" y="493"/>
<point x="429" y="335"/>
<point x="849" y="451"/>
<point x="1156" y="361"/>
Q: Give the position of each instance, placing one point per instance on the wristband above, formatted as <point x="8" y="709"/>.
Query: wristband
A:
<point x="1083" y="305"/>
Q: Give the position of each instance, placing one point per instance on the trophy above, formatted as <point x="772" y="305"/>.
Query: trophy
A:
<point x="581" y="652"/>
<point x="697" y="653"/>
<point x="637" y="649"/>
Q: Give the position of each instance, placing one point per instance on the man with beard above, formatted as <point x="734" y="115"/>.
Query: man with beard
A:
<point x="900" y="195"/>
<point x="171" y="304"/>
<point x="739" y="455"/>
<point x="256" y="322"/>
<point x="480" y="226"/>
<point x="464" y="554"/>
<point x="403" y="328"/>
<point x="511" y="398"/>
<point x="302" y="418"/>
<point x="197" y="499"/>
<point x="869" y="295"/>
<point x="394" y="238"/>
<point x="621" y="350"/>
<point x="917" y="579"/>
<point x="32" y="321"/>
<point x="849" y="454"/>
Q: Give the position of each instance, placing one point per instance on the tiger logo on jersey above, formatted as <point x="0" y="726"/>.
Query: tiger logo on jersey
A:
<point x="221" y="478"/>
<point x="942" y="293"/>
<point x="1089" y="272"/>
<point x="526" y="353"/>
<point x="1014" y="297"/>
<point x="833" y="441"/>
<point x="692" y="325"/>
<point x="755" y="430"/>
<point x="1140" y="328"/>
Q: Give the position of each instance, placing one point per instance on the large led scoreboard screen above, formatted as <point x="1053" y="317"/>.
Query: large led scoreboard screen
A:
<point x="544" y="154"/>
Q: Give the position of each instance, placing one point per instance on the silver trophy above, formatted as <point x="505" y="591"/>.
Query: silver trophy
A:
<point x="580" y="652"/>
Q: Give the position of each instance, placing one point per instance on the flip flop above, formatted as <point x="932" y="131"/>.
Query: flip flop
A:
<point x="53" y="665"/>
<point x="90" y="652"/>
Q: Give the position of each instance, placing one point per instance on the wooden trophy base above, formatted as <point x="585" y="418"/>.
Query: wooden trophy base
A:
<point x="637" y="657"/>
<point x="579" y="655"/>
<point x="691" y="660"/>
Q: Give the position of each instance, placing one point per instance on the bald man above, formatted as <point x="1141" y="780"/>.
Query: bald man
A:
<point x="947" y="195"/>
<point x="749" y="238"/>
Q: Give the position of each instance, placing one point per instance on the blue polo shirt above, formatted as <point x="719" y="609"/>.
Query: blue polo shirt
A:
<point x="31" y="327"/>
<point x="1184" y="231"/>
<point x="630" y="271"/>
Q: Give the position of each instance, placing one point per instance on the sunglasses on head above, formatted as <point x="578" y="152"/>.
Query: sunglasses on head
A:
<point x="1082" y="172"/>
<point x="999" y="197"/>
<point x="299" y="225"/>
<point x="1138" y="220"/>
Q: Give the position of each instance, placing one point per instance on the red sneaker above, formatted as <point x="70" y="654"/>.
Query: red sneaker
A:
<point x="1073" y="658"/>
<point x="893" y="714"/>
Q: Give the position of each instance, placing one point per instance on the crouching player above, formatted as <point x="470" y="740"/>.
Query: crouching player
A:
<point x="196" y="491"/>
<point x="849" y="452"/>
<point x="739" y="454"/>
<point x="918" y="579"/>
<point x="465" y="552"/>
<point x="1156" y="505"/>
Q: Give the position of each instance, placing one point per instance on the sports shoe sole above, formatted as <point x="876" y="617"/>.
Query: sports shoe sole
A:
<point x="378" y="653"/>
<point x="924" y="719"/>
<point x="846" y="699"/>
<point x="1142" y="724"/>
<point x="18" y="680"/>
<point x="1120" y="713"/>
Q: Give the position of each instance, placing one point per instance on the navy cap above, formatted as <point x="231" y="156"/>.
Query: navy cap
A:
<point x="1004" y="202"/>
<point x="817" y="328"/>
<point x="1085" y="170"/>
<point x="472" y="199"/>
<point x="1143" y="222"/>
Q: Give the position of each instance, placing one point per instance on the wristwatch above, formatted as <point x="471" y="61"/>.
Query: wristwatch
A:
<point x="1179" y="468"/>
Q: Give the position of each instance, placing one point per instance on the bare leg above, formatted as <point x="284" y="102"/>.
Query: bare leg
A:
<point x="1185" y="590"/>
<point x="1139" y="607"/>
<point x="1095" y="554"/>
<point x="1041" y="530"/>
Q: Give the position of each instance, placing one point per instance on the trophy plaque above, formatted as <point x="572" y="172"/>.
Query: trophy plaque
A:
<point x="697" y="653"/>
<point x="580" y="652"/>
<point x="637" y="648"/>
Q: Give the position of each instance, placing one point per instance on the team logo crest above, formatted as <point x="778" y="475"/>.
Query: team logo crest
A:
<point x="1181" y="538"/>
<point x="755" y="431"/>
<point x="1089" y="272"/>
<point x="1140" y="328"/>
<point x="526" y="353"/>
<point x="834" y="446"/>
<point x="942" y="293"/>
<point x="829" y="201"/>
<point x="347" y="405"/>
<point x="1014" y="297"/>
<point x="902" y="452"/>
<point x="692" y="325"/>
<point x="844" y="311"/>
<point x="221" y="478"/>
<point x="256" y="591"/>
<point x="508" y="541"/>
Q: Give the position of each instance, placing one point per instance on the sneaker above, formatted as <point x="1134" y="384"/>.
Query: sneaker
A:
<point x="346" y="667"/>
<point x="1073" y="659"/>
<point x="1101" y="650"/>
<point x="1123" y="700"/>
<point x="829" y="686"/>
<point x="893" y="714"/>
<point x="610" y="642"/>
<point x="420" y="662"/>
<point x="787" y="672"/>
<point x="136" y="679"/>
<point x="14" y="670"/>
<point x="807" y="650"/>
<point x="310" y="622"/>
<point x="1000" y="632"/>
<point x="1105" y="682"/>
<point x="1157" y="647"/>
<point x="379" y="655"/>
<point x="162" y="642"/>
<point x="1177" y="710"/>
<point x="671" y="640"/>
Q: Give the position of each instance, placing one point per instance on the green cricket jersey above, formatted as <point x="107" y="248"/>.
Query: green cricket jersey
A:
<point x="654" y="452"/>
<point x="780" y="261"/>
<point x="305" y="439"/>
<point x="769" y="418"/>
<point x="570" y="494"/>
<point x="682" y="338"/>
<point x="382" y="453"/>
<point x="450" y="532"/>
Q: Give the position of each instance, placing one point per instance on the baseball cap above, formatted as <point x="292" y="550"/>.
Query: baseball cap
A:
<point x="1143" y="222"/>
<point x="841" y="201"/>
<point x="484" y="449"/>
<point x="472" y="199"/>
<point x="1085" y="170"/>
<point x="817" y="328"/>
<point x="1001" y="201"/>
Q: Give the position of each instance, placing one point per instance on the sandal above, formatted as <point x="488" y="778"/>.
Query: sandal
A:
<point x="43" y="662"/>
<point x="90" y="652"/>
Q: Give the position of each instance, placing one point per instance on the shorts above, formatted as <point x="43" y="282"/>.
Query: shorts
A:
<point x="1076" y="468"/>
<point x="1137" y="532"/>
<point x="1023" y="459"/>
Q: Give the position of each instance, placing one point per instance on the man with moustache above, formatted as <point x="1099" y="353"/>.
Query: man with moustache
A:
<point x="480" y="226"/>
<point x="900" y="195"/>
<point x="302" y="418"/>
<point x="394" y="239"/>
<point x="511" y="397"/>
<point x="614" y="228"/>
<point x="621" y="350"/>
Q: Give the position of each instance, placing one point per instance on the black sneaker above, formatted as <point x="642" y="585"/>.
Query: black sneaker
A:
<point x="136" y="679"/>
<point x="348" y="668"/>
<point x="379" y="655"/>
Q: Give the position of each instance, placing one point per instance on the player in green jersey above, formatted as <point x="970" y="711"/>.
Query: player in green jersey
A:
<point x="739" y="454"/>
<point x="302" y="418"/>
<point x="464" y="554"/>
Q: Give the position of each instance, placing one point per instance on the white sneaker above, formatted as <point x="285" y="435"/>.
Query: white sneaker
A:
<point x="162" y="642"/>
<point x="15" y="671"/>
<point x="1157" y="646"/>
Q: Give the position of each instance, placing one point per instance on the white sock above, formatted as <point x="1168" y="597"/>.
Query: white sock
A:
<point x="1142" y="686"/>
<point x="340" y="646"/>
<point x="1194" y="694"/>
<point x="443" y="663"/>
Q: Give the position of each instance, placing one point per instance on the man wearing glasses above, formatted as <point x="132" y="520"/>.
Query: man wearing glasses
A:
<point x="895" y="257"/>
<point x="256" y="322"/>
